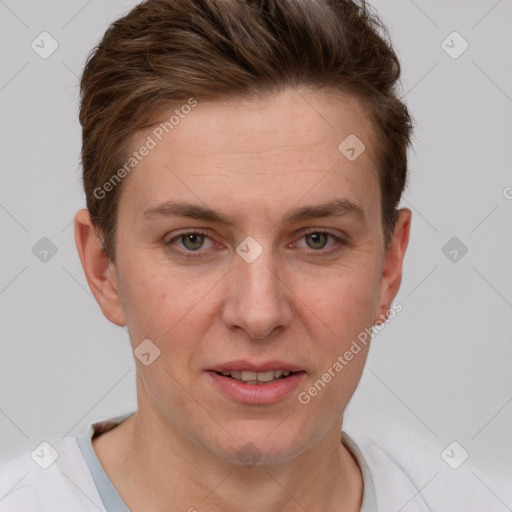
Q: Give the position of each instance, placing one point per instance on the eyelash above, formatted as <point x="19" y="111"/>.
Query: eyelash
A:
<point x="340" y="242"/>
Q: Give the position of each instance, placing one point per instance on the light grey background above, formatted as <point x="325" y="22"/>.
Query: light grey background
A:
<point x="441" y="368"/>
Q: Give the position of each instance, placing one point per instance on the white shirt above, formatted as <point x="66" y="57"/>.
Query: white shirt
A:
<point x="75" y="481"/>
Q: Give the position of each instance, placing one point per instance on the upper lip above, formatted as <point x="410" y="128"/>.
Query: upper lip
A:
<point x="240" y="365"/>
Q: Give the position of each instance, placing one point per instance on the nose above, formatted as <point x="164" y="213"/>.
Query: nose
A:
<point x="259" y="301"/>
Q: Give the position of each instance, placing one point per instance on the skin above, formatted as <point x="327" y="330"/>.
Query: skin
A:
<point x="252" y="160"/>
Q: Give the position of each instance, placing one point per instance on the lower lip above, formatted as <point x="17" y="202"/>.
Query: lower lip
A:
<point x="258" y="393"/>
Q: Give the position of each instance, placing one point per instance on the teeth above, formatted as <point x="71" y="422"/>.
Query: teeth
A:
<point x="264" y="376"/>
<point x="249" y="376"/>
<point x="253" y="377"/>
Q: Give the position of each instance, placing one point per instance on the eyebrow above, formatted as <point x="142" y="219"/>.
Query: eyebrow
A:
<point x="335" y="208"/>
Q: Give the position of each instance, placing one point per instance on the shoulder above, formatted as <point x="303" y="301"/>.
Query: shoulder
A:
<point x="397" y="484"/>
<point x="53" y="478"/>
<point x="410" y="474"/>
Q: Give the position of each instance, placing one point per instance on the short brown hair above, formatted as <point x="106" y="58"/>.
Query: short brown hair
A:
<point x="164" y="52"/>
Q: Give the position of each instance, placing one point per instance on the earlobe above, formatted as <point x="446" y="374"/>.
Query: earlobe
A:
<point x="392" y="266"/>
<point x="99" y="270"/>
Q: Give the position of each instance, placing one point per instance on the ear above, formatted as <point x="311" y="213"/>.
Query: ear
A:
<point x="392" y="265"/>
<point x="99" y="270"/>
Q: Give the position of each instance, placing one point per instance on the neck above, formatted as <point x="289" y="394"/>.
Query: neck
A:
<point x="152" y="464"/>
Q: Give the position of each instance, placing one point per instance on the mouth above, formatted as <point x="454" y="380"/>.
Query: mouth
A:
<point x="256" y="378"/>
<point x="251" y="383"/>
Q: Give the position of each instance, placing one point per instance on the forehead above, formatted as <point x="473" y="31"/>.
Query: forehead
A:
<point x="284" y="146"/>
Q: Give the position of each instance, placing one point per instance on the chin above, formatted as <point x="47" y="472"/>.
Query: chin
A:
<point x="260" y="446"/>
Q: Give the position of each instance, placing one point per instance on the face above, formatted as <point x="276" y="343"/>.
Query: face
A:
<point x="250" y="273"/>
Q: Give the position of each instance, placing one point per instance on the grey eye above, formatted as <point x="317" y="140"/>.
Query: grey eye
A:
<point x="318" y="240"/>
<point x="195" y="240"/>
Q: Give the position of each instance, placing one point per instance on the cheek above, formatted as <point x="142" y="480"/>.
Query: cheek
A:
<point x="344" y="303"/>
<point x="345" y="299"/>
<point x="169" y="311"/>
<point x="166" y="307"/>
